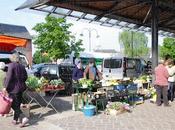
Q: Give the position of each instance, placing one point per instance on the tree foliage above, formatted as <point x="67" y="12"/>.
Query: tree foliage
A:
<point x="168" y="48"/>
<point x="55" y="39"/>
<point x="134" y="43"/>
<point x="40" y="57"/>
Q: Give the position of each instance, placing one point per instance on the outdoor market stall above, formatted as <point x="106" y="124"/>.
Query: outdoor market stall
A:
<point x="39" y="87"/>
<point x="112" y="94"/>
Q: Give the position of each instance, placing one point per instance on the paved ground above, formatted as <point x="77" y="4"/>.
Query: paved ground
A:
<point x="144" y="117"/>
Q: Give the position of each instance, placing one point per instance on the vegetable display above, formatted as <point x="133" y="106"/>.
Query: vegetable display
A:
<point x="33" y="83"/>
<point x="115" y="108"/>
<point x="115" y="105"/>
<point x="56" y="82"/>
<point x="38" y="84"/>
<point x="86" y="83"/>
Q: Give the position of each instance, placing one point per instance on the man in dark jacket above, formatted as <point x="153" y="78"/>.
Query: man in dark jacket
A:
<point x="15" y="86"/>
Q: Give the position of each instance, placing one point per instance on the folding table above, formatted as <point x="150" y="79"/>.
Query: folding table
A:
<point x="48" y="103"/>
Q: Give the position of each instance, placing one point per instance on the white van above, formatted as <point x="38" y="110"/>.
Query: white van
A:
<point x="5" y="57"/>
<point x="120" y="67"/>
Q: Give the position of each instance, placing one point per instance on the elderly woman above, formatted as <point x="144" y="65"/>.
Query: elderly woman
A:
<point x="2" y="74"/>
<point x="15" y="86"/>
<point x="78" y="70"/>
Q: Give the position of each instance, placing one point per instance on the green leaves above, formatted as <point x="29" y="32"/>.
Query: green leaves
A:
<point x="134" y="43"/>
<point x="168" y="48"/>
<point x="33" y="82"/>
<point x="56" y="82"/>
<point x="55" y="39"/>
<point x="40" y="57"/>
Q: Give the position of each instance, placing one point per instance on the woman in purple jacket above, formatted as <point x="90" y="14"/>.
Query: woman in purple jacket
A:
<point x="15" y="86"/>
<point x="78" y="70"/>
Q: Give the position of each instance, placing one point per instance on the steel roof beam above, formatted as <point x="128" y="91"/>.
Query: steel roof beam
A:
<point x="107" y="10"/>
<point x="167" y="6"/>
<point x="83" y="1"/>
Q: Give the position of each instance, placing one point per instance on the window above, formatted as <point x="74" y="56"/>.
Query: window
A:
<point x="53" y="70"/>
<point x="143" y="62"/>
<point x="131" y="63"/>
<point x="113" y="63"/>
<point x="44" y="69"/>
<point x="85" y="61"/>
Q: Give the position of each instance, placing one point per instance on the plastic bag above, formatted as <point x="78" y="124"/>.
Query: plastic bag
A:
<point x="5" y="104"/>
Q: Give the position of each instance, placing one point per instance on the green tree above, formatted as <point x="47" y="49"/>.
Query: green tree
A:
<point x="134" y="43"/>
<point x="76" y="47"/>
<point x="40" y="57"/>
<point x="168" y="48"/>
<point x="55" y="39"/>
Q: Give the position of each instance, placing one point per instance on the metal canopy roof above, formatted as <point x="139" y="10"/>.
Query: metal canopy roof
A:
<point x="127" y="14"/>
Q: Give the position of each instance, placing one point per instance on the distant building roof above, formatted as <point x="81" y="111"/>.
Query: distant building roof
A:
<point x="14" y="31"/>
<point x="106" y="50"/>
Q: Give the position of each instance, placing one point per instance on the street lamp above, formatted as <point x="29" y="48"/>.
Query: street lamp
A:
<point x="90" y="30"/>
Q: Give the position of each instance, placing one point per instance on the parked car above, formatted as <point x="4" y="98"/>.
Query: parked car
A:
<point x="35" y="68"/>
<point x="120" y="67"/>
<point x="55" y="71"/>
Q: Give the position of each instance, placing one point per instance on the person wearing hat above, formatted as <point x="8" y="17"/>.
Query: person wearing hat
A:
<point x="2" y="74"/>
<point x="78" y="70"/>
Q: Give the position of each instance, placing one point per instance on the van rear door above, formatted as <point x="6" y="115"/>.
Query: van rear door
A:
<point x="113" y="68"/>
<point x="131" y="67"/>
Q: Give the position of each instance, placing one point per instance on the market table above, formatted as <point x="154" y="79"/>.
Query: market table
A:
<point x="28" y="92"/>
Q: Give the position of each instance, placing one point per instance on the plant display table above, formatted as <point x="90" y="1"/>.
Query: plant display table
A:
<point x="41" y="95"/>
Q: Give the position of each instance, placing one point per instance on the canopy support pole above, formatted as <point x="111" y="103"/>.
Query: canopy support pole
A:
<point x="154" y="30"/>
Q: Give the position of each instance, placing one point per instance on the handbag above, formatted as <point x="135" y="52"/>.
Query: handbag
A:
<point x="6" y="103"/>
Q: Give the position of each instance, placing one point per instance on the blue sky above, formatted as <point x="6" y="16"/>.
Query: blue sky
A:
<point x="108" y="36"/>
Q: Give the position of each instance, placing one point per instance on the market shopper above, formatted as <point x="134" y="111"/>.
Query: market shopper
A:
<point x="78" y="70"/>
<point x="91" y="71"/>
<point x="2" y="74"/>
<point x="15" y="86"/>
<point x="171" y="80"/>
<point x="161" y="82"/>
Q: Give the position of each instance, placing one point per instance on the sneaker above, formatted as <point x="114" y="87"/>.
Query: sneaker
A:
<point x="25" y="120"/>
<point x="1" y="115"/>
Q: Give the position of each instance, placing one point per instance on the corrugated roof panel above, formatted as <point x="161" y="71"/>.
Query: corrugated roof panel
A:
<point x="62" y="10"/>
<point x="90" y="16"/>
<point x="103" y="19"/>
<point x="76" y="13"/>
